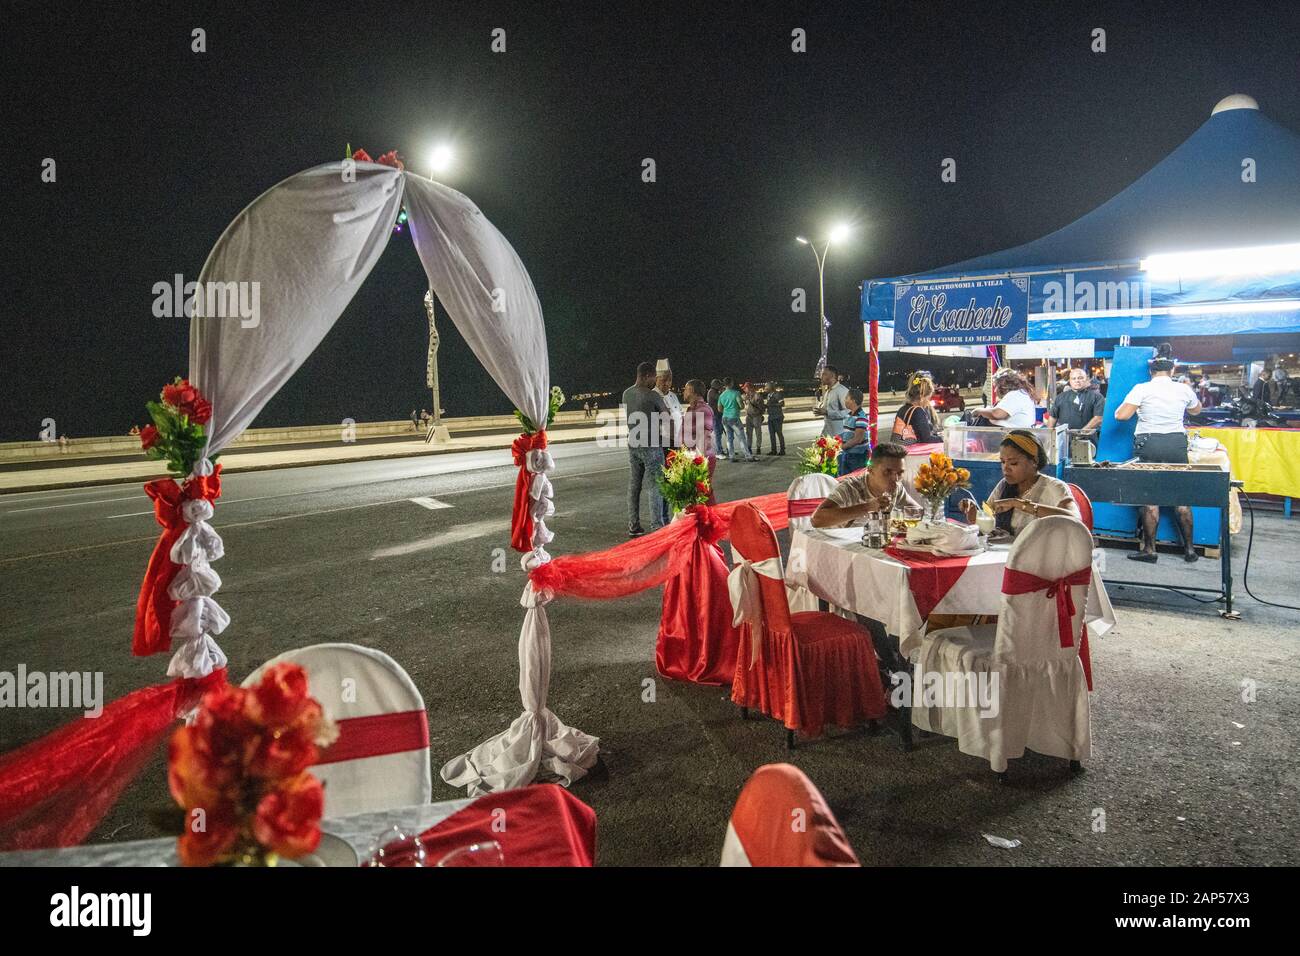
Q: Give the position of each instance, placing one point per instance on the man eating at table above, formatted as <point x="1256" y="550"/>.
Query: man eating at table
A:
<point x="879" y="488"/>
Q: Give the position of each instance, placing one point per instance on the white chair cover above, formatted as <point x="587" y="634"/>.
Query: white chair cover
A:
<point x="1042" y="694"/>
<point x="805" y="488"/>
<point x="351" y="681"/>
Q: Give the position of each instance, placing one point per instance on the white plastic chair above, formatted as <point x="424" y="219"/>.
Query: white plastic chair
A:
<point x="804" y="494"/>
<point x="1040" y="702"/>
<point x="383" y="727"/>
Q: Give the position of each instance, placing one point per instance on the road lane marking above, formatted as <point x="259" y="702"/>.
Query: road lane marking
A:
<point x="433" y="504"/>
<point x="74" y="504"/>
<point x="454" y="535"/>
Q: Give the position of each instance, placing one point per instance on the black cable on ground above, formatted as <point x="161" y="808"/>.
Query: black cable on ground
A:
<point x="1250" y="544"/>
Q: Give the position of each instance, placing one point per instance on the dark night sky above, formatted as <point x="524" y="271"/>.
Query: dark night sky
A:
<point x="158" y="148"/>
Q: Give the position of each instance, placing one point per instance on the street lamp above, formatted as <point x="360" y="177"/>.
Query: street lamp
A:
<point x="837" y="234"/>
<point x="440" y="160"/>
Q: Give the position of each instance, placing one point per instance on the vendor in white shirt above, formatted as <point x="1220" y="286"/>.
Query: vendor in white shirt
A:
<point x="1160" y="405"/>
<point x="1015" y="407"/>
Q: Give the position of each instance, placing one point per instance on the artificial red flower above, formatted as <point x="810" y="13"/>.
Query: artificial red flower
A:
<point x="148" y="437"/>
<point x="280" y="698"/>
<point x="287" y="820"/>
<point x="699" y="459"/>
<point x="284" y="753"/>
<point x="200" y="411"/>
<point x="390" y="159"/>
<point x="361" y="156"/>
<point x="209" y="837"/>
<point x="668" y="458"/>
<point x="821" y="442"/>
<point x="702" y="487"/>
<point x="180" y="394"/>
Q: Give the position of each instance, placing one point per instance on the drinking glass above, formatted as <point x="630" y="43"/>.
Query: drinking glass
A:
<point x="487" y="853"/>
<point x="396" y="847"/>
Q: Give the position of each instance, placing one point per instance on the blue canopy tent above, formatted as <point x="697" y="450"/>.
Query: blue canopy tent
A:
<point x="1235" y="182"/>
<point x="1230" y="192"/>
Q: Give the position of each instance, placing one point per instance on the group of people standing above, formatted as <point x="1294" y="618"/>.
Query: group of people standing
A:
<point x="720" y="419"/>
<point x="739" y="414"/>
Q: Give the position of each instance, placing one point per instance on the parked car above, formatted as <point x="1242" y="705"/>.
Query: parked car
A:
<point x="947" y="399"/>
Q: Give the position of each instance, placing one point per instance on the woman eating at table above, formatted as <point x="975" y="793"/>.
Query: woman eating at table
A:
<point x="1024" y="493"/>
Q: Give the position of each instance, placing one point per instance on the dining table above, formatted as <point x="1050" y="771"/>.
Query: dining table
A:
<point x="902" y="590"/>
<point x="539" y="825"/>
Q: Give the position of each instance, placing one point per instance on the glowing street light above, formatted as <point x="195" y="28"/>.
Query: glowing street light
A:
<point x="441" y="159"/>
<point x="838" y="234"/>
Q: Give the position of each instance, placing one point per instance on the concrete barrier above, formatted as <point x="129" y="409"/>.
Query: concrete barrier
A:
<point x="129" y="445"/>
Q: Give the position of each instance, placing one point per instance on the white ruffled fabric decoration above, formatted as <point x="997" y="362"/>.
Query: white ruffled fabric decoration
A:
<point x="197" y="617"/>
<point x="541" y="494"/>
<point x="537" y="743"/>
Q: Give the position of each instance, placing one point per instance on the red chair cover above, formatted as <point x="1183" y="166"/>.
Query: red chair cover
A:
<point x="813" y="667"/>
<point x="538" y="825"/>
<point x="781" y="819"/>
<point x="697" y="640"/>
<point x="1083" y="503"/>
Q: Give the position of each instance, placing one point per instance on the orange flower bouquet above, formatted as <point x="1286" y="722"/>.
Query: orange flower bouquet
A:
<point x="240" y="772"/>
<point x="936" y="480"/>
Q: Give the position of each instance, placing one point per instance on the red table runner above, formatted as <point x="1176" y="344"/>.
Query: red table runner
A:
<point x="929" y="576"/>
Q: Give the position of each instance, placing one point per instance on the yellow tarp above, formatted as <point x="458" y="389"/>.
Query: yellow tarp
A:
<point x="1266" y="459"/>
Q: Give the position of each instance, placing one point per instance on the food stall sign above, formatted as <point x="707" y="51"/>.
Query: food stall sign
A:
<point x="992" y="311"/>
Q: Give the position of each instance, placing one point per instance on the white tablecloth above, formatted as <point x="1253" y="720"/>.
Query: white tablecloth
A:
<point x="833" y="564"/>
<point x="359" y="830"/>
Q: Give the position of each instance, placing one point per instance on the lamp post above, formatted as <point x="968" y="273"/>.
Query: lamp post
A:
<point x="437" y="430"/>
<point x="440" y="160"/>
<point x="837" y="234"/>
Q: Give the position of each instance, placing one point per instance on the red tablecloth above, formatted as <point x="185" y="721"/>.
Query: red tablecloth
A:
<point x="539" y="825"/>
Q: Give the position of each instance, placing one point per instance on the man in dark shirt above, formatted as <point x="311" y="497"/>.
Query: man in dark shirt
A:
<point x="1077" y="407"/>
<point x="649" y="425"/>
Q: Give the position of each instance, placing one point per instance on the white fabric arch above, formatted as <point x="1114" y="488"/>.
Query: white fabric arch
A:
<point x="308" y="243"/>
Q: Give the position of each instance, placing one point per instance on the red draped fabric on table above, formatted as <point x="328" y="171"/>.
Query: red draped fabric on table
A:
<point x="539" y="825"/>
<point x="930" y="577"/>
<point x="55" y="790"/>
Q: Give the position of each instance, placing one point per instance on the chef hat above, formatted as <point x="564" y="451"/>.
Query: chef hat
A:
<point x="663" y="366"/>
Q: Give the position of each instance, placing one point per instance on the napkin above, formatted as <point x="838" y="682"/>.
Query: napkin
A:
<point x="949" y="537"/>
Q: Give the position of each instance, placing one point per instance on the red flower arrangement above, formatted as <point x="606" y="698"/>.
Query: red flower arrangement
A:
<point x="389" y="158"/>
<point x="240" y="772"/>
<point x="684" y="480"/>
<point x="177" y="435"/>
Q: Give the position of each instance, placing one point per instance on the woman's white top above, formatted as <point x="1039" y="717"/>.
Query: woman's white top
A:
<point x="1161" y="404"/>
<point x="1020" y="410"/>
<point x="1047" y="490"/>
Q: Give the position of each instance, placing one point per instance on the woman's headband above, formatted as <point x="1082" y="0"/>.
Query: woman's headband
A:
<point x="1025" y="444"/>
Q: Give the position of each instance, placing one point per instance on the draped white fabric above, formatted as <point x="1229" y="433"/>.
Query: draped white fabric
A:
<point x="538" y="742"/>
<point x="486" y="290"/>
<point x="300" y="251"/>
<point x="308" y="243"/>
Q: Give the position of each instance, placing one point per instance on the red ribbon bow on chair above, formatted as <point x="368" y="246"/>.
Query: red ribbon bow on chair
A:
<point x="1022" y="582"/>
<point x="153" y="609"/>
<point x="521" y="519"/>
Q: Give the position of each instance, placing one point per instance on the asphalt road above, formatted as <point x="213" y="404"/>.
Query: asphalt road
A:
<point x="1184" y="770"/>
